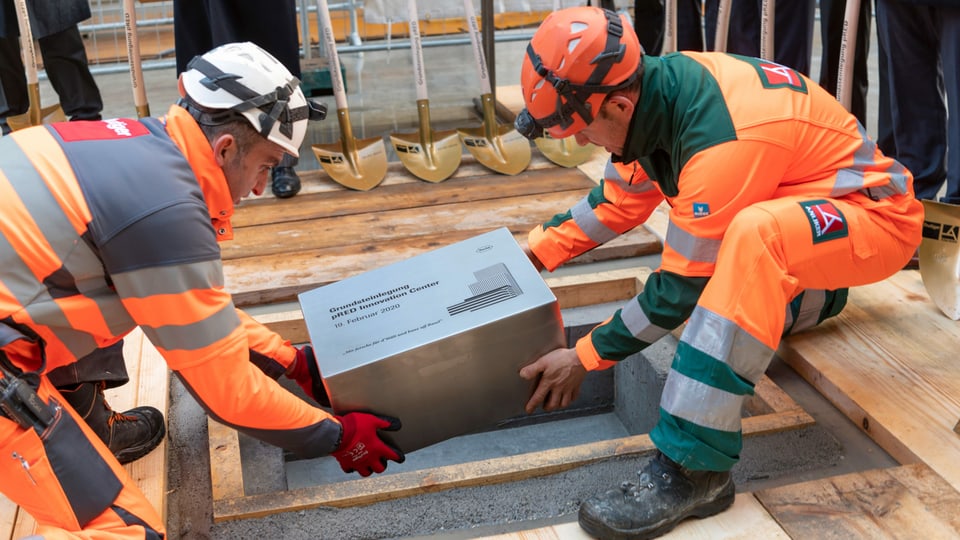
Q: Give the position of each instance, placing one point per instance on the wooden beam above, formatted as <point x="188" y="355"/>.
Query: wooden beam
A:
<point x="484" y="472"/>
<point x="907" y="501"/>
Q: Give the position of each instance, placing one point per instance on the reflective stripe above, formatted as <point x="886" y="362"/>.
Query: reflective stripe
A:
<point x="81" y="270"/>
<point x="723" y="340"/>
<point x="585" y="218"/>
<point x="896" y="186"/>
<point x="638" y="324"/>
<point x="170" y="279"/>
<point x="691" y="247"/>
<point x="700" y="403"/>
<point x="612" y="174"/>
<point x="811" y="306"/>
<point x="851" y="178"/>
<point x="195" y="336"/>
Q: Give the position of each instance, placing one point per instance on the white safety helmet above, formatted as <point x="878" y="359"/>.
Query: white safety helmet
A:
<point x="243" y="79"/>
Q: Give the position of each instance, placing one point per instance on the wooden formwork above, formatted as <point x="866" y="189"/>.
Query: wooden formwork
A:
<point x="770" y="411"/>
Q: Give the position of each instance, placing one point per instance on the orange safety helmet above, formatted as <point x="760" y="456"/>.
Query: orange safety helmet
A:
<point x="576" y="57"/>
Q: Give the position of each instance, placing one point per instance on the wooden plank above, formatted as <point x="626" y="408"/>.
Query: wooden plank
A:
<point x="150" y="471"/>
<point x="910" y="501"/>
<point x="317" y="181"/>
<point x="421" y="196"/>
<point x="888" y="361"/>
<point x="279" y="278"/>
<point x="517" y="213"/>
<point x="745" y="519"/>
<point x="8" y="518"/>
<point x="226" y="475"/>
<point x="485" y="472"/>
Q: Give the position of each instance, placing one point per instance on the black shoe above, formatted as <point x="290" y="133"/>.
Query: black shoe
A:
<point x="285" y="182"/>
<point x="129" y="435"/>
<point x="665" y="495"/>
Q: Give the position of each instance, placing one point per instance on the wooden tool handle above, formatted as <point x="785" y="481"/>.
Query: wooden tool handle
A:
<point x="478" y="56"/>
<point x="133" y="57"/>
<point x="27" y="46"/>
<point x="326" y="31"/>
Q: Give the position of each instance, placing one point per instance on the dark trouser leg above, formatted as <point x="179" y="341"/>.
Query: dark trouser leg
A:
<point x="130" y="435"/>
<point x="65" y="61"/>
<point x="949" y="56"/>
<point x="14" y="99"/>
<point x="917" y="111"/>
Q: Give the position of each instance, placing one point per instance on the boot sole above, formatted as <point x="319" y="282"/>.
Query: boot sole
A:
<point x="134" y="453"/>
<point x="603" y="531"/>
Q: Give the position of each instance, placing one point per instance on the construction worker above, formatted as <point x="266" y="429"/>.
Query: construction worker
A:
<point x="109" y="225"/>
<point x="778" y="202"/>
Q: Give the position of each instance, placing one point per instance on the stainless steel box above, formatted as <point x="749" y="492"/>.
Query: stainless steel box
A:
<point x="436" y="340"/>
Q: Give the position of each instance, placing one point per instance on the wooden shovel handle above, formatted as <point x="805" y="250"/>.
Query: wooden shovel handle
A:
<point x="848" y="46"/>
<point x="416" y="49"/>
<point x="27" y="46"/>
<point x="767" y="18"/>
<point x="326" y="31"/>
<point x="478" y="56"/>
<point x="723" y="26"/>
<point x="133" y="57"/>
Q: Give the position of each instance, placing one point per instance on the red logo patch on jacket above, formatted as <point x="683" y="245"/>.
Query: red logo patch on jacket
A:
<point x="114" y="128"/>
<point x="826" y="220"/>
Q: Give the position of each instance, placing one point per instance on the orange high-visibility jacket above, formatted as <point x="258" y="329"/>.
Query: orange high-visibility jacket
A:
<point x="699" y="121"/>
<point x="106" y="226"/>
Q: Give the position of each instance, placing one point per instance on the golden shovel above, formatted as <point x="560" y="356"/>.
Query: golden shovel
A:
<point x="940" y="256"/>
<point x="430" y="155"/>
<point x="356" y="164"/>
<point x="565" y="152"/>
<point x="36" y="114"/>
<point x="500" y="148"/>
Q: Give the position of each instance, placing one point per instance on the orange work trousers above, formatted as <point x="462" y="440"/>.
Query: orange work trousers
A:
<point x="771" y="252"/>
<point x="69" y="482"/>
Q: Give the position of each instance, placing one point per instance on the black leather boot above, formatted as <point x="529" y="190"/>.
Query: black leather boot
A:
<point x="285" y="182"/>
<point x="129" y="435"/>
<point x="664" y="495"/>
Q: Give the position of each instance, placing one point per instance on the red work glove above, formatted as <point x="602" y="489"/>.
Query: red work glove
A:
<point x="307" y="375"/>
<point x="361" y="448"/>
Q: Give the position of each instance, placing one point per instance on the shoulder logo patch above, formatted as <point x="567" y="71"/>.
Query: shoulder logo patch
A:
<point x="773" y="75"/>
<point x="826" y="220"/>
<point x="701" y="209"/>
<point x="114" y="128"/>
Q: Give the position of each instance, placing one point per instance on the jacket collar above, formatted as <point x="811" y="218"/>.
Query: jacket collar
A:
<point x="187" y="135"/>
<point x="649" y="128"/>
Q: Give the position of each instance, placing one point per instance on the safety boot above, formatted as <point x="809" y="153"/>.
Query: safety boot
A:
<point x="284" y="182"/>
<point x="129" y="435"/>
<point x="665" y="495"/>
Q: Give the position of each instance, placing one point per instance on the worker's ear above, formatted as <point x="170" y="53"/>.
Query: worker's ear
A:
<point x="621" y="103"/>
<point x="224" y="146"/>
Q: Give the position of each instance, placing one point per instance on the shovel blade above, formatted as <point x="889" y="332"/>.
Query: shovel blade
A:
<point x="940" y="256"/>
<point x="564" y="152"/>
<point x="357" y="164"/>
<point x="429" y="155"/>
<point x="506" y="152"/>
<point x="36" y="114"/>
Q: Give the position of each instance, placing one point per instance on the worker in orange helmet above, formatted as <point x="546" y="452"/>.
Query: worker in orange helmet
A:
<point x="110" y="225"/>
<point x="778" y="202"/>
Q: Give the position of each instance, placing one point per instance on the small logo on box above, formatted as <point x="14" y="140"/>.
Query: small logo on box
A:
<point x="494" y="285"/>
